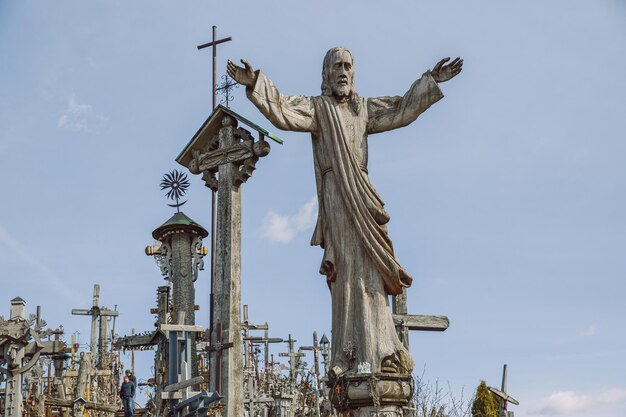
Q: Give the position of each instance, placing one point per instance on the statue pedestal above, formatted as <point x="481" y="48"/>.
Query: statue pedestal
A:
<point x="371" y="395"/>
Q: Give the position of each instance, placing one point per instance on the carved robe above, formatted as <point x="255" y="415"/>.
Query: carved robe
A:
<point x="358" y="260"/>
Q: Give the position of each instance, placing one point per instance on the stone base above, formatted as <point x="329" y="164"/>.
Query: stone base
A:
<point x="371" y="395"/>
<point x="385" y="411"/>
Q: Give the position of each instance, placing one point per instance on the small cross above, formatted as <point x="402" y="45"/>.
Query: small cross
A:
<point x="294" y="358"/>
<point x="316" y="349"/>
<point x="225" y="88"/>
<point x="219" y="347"/>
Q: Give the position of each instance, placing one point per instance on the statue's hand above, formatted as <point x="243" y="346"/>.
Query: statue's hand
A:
<point x="443" y="72"/>
<point x="243" y="75"/>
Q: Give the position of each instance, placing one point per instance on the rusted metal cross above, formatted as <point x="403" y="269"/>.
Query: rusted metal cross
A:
<point x="219" y="346"/>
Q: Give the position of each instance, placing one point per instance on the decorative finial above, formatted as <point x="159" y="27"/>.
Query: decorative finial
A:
<point x="176" y="183"/>
<point x="225" y="88"/>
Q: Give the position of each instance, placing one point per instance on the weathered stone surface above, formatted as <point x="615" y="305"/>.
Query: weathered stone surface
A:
<point x="358" y="261"/>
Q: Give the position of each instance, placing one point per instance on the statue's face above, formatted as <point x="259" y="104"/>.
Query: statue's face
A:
<point x="341" y="74"/>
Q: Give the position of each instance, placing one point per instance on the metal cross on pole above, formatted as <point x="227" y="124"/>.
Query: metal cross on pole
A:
<point x="504" y="397"/>
<point x="213" y="44"/>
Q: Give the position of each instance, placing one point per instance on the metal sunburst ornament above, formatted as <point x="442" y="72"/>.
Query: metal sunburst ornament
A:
<point x="176" y="183"/>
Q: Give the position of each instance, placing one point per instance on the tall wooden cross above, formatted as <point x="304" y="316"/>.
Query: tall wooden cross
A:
<point x="97" y="314"/>
<point x="213" y="44"/>
<point x="294" y="358"/>
<point x="266" y="340"/>
<point x="316" y="350"/>
<point x="224" y="149"/>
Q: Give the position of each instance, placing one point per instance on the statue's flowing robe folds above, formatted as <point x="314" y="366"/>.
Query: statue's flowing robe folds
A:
<point x="358" y="261"/>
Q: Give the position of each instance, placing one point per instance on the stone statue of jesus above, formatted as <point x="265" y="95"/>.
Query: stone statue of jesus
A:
<point x="358" y="262"/>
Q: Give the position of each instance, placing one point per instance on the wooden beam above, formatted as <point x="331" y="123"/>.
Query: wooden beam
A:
<point x="420" y="322"/>
<point x="184" y="384"/>
<point x="58" y="402"/>
<point x="180" y="328"/>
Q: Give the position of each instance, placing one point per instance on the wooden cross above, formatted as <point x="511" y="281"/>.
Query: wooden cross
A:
<point x="213" y="44"/>
<point x="294" y="358"/>
<point x="219" y="346"/>
<point x="316" y="349"/>
<point x="504" y="397"/>
<point x="266" y="340"/>
<point x="221" y="148"/>
<point x="405" y="322"/>
<point x="97" y="313"/>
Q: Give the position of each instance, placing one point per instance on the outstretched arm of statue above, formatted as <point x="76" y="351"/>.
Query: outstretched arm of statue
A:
<point x="243" y="75"/>
<point x="442" y="72"/>
<point x="387" y="113"/>
<point x="295" y="113"/>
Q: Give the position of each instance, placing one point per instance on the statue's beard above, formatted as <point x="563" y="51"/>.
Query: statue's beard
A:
<point x="342" y="92"/>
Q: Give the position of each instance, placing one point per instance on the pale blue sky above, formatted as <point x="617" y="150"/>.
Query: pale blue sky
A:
<point x="507" y="197"/>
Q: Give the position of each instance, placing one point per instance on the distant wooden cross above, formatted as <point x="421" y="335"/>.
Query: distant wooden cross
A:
<point x="504" y="397"/>
<point x="98" y="315"/>
<point x="266" y="340"/>
<point x="294" y="358"/>
<point x="316" y="349"/>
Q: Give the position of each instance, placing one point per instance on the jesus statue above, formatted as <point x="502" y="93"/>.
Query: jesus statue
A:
<point x="359" y="262"/>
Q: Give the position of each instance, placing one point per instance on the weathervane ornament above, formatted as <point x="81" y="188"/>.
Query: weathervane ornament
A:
<point x="176" y="183"/>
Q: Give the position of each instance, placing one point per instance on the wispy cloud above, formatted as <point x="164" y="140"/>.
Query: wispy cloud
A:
<point x="284" y="228"/>
<point x="590" y="331"/>
<point x="80" y="117"/>
<point x="28" y="257"/>
<point x="568" y="402"/>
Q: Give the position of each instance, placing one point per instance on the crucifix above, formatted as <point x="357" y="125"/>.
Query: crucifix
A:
<point x="294" y="358"/>
<point x="316" y="349"/>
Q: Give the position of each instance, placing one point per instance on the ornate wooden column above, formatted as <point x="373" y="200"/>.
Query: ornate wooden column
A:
<point x="180" y="258"/>
<point x="226" y="155"/>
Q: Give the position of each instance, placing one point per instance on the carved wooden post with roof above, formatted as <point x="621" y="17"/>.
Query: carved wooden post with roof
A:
<point x="180" y="258"/>
<point x="226" y="155"/>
